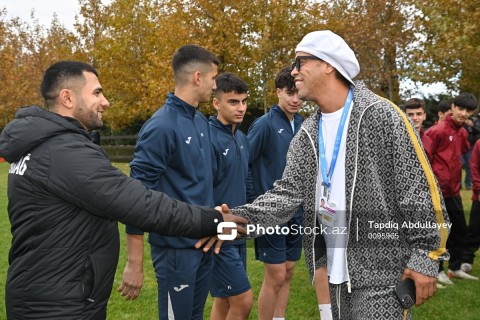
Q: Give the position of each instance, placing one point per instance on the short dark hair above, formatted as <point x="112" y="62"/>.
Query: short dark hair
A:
<point x="444" y="106"/>
<point x="340" y="77"/>
<point x="284" y="79"/>
<point x="190" y="54"/>
<point x="229" y="82"/>
<point x="414" y="103"/>
<point x="466" y="100"/>
<point x="58" y="75"/>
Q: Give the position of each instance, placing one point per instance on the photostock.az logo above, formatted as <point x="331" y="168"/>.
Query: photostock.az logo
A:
<point x="231" y="228"/>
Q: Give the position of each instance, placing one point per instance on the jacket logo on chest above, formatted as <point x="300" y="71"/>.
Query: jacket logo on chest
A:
<point x="280" y="131"/>
<point x="20" y="166"/>
<point x="226" y="152"/>
<point x="188" y="140"/>
<point x="450" y="138"/>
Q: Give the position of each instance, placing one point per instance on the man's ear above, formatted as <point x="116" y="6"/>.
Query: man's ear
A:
<point x="67" y="98"/>
<point x="197" y="78"/>
<point x="329" y="68"/>
<point x="216" y="103"/>
<point x="278" y="92"/>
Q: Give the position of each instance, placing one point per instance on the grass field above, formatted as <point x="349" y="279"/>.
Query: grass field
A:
<point x="460" y="301"/>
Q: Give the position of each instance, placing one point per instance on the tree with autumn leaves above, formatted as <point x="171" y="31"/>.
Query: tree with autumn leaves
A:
<point x="26" y="51"/>
<point x="131" y="43"/>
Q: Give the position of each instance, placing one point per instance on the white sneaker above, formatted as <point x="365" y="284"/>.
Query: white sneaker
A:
<point x="440" y="286"/>
<point x="461" y="275"/>
<point x="443" y="279"/>
<point x="466" y="267"/>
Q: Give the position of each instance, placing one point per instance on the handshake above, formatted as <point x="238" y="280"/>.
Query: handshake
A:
<point x="207" y="242"/>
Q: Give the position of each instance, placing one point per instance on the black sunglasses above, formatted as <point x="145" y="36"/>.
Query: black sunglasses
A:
<point x="296" y="64"/>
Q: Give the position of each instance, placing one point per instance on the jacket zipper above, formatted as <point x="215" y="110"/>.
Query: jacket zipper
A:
<point x="314" y="211"/>
<point x="349" y="284"/>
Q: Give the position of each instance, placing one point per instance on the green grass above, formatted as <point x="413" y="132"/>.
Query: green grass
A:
<point x="457" y="302"/>
<point x="5" y="235"/>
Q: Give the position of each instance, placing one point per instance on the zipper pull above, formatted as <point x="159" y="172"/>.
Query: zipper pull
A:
<point x="349" y="286"/>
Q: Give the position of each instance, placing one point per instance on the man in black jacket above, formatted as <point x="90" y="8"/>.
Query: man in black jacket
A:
<point x="65" y="199"/>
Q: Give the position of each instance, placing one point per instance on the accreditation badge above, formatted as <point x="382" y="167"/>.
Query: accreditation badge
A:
<point x="328" y="212"/>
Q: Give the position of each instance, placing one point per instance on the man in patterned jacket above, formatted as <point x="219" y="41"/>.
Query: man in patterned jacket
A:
<point x="385" y="218"/>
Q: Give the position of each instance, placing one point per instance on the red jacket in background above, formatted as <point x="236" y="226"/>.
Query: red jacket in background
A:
<point x="475" y="170"/>
<point x="449" y="141"/>
<point x="427" y="144"/>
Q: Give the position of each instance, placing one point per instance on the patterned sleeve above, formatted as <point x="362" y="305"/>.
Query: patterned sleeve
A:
<point x="279" y="204"/>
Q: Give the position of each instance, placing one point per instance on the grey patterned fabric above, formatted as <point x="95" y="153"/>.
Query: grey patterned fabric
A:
<point x="385" y="183"/>
<point x="377" y="303"/>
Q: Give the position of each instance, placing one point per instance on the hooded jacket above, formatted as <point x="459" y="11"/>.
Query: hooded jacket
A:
<point x="65" y="199"/>
<point x="449" y="142"/>
<point x="173" y="155"/>
<point x="388" y="180"/>
<point x="427" y="144"/>
<point x="229" y="165"/>
<point x="231" y="181"/>
<point x="269" y="137"/>
<point x="475" y="170"/>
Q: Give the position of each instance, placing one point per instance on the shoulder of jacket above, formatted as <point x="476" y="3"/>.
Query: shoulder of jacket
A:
<point x="432" y="130"/>
<point x="298" y="117"/>
<point x="476" y="146"/>
<point x="201" y="116"/>
<point x="158" y="125"/>
<point x="380" y="110"/>
<point x="309" y="123"/>
<point x="264" y="121"/>
<point x="61" y="146"/>
<point x="213" y="131"/>
<point x="241" y="135"/>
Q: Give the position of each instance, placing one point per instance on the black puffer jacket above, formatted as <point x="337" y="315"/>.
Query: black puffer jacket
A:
<point x="65" y="199"/>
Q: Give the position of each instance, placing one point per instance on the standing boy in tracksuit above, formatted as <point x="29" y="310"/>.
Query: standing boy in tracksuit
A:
<point x="173" y="154"/>
<point x="269" y="138"/>
<point x="230" y="286"/>
<point x="449" y="142"/>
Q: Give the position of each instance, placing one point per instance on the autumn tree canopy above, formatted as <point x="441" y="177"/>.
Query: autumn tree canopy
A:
<point x="131" y="43"/>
